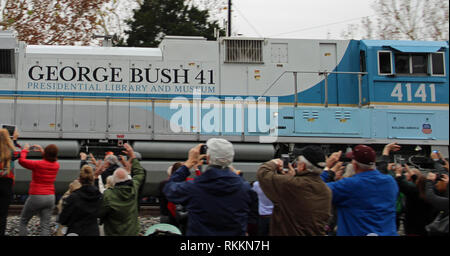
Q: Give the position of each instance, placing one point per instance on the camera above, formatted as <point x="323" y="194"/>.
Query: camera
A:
<point x="203" y="149"/>
<point x="285" y="158"/>
<point x="10" y="128"/>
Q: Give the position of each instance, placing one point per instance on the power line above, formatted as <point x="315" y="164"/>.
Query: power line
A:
<point x="324" y="25"/>
<point x="246" y="20"/>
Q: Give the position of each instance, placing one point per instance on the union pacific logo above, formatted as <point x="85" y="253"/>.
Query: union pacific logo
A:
<point x="426" y="128"/>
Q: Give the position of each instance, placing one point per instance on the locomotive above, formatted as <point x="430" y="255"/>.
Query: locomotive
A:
<point x="265" y="95"/>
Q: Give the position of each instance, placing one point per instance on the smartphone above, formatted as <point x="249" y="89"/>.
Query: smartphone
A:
<point x="436" y="151"/>
<point x="10" y="128"/>
<point x="285" y="158"/>
<point x="203" y="149"/>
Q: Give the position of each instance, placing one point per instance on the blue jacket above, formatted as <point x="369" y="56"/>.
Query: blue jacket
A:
<point x="365" y="203"/>
<point x="218" y="201"/>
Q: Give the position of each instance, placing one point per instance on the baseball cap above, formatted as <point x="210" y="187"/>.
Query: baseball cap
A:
<point x="363" y="154"/>
<point x="314" y="154"/>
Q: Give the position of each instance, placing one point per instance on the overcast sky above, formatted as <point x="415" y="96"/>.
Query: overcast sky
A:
<point x="297" y="18"/>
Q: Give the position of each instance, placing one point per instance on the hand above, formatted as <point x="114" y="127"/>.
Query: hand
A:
<point x="407" y="168"/>
<point x="444" y="178"/>
<point x="94" y="161"/>
<point x="129" y="151"/>
<point x="290" y="172"/>
<point x="331" y="161"/>
<point x="279" y="164"/>
<point x="99" y="168"/>
<point x="338" y="168"/>
<point x="126" y="164"/>
<point x="16" y="134"/>
<point x="398" y="170"/>
<point x="435" y="156"/>
<point x="38" y="148"/>
<point x="193" y="156"/>
<point x="391" y="147"/>
<point x="340" y="173"/>
<point x="83" y="156"/>
<point x="431" y="176"/>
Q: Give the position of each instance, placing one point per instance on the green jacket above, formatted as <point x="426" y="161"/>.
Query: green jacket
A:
<point x="119" y="211"/>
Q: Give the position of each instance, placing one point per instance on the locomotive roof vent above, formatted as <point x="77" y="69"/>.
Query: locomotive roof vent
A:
<point x="244" y="51"/>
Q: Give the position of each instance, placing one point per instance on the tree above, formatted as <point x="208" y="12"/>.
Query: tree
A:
<point x="406" y="19"/>
<point x="157" y="18"/>
<point x="47" y="22"/>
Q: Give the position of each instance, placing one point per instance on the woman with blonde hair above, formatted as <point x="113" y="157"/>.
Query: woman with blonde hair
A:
<point x="8" y="154"/>
<point x="81" y="208"/>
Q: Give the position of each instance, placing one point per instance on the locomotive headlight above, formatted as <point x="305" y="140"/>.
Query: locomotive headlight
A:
<point x="275" y="114"/>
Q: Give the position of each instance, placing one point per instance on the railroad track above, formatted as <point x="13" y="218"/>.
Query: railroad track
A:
<point x="145" y="210"/>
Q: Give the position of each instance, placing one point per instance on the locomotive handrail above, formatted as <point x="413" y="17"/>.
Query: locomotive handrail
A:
<point x="324" y="73"/>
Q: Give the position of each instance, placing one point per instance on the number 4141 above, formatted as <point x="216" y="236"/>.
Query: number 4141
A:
<point x="421" y="92"/>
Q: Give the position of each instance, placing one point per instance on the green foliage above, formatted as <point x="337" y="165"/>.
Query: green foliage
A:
<point x="157" y="18"/>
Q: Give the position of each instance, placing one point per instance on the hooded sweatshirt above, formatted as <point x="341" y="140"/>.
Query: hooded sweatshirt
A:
<point x="80" y="211"/>
<point x="218" y="201"/>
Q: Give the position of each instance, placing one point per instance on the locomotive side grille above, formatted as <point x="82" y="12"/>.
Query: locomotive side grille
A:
<point x="343" y="115"/>
<point x="6" y="61"/>
<point x="243" y="51"/>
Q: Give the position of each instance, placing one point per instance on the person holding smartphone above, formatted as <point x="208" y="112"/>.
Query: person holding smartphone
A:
<point x="41" y="199"/>
<point x="8" y="154"/>
<point x="218" y="201"/>
<point x="302" y="201"/>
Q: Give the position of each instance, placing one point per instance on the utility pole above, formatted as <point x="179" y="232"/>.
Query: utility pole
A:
<point x="229" y="17"/>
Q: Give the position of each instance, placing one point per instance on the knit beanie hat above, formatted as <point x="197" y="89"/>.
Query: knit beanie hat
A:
<point x="220" y="151"/>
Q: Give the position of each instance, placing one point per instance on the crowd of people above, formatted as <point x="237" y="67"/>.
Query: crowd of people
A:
<point x="351" y="194"/>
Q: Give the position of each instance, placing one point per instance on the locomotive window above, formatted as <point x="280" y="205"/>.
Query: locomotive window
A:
<point x="419" y="64"/>
<point x="384" y="63"/>
<point x="402" y="64"/>
<point x="7" y="61"/>
<point x="437" y="63"/>
<point x="411" y="64"/>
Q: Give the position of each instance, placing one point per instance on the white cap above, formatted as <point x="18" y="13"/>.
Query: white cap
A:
<point x="220" y="151"/>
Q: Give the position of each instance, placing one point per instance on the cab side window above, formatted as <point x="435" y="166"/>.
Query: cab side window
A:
<point x="384" y="63"/>
<point x="437" y="64"/>
<point x="6" y="61"/>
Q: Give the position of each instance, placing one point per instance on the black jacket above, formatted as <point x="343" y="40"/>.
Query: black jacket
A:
<point x="81" y="210"/>
<point x="418" y="212"/>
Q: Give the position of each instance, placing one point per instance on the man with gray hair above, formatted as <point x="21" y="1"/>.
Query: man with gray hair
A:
<point x="119" y="211"/>
<point x="218" y="201"/>
<point x="365" y="202"/>
<point x="302" y="201"/>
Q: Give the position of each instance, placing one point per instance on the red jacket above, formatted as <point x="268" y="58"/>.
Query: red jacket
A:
<point x="43" y="176"/>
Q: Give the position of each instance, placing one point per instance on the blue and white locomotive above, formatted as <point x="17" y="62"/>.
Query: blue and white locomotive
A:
<point x="266" y="95"/>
